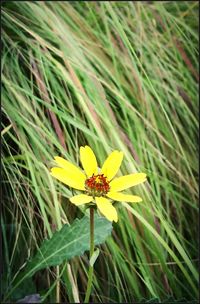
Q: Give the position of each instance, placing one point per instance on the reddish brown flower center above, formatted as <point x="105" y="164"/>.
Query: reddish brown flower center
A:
<point x="97" y="185"/>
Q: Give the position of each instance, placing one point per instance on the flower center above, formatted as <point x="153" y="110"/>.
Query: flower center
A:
<point x="97" y="185"/>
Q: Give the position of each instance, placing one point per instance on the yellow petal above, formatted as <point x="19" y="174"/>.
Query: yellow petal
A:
<point x="124" y="197"/>
<point x="88" y="160"/>
<point x="81" y="199"/>
<point x="106" y="208"/>
<point x="112" y="164"/>
<point x="65" y="164"/>
<point x="127" y="181"/>
<point x="69" y="178"/>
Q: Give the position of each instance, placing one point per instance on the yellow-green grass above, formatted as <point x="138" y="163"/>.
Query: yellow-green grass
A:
<point x="113" y="76"/>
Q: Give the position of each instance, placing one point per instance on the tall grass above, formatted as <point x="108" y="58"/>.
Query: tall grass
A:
<point x="113" y="75"/>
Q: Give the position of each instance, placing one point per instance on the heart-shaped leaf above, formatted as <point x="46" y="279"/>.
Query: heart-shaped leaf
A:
<point x="68" y="242"/>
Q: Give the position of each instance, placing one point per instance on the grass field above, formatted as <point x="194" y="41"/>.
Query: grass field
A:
<point x="114" y="76"/>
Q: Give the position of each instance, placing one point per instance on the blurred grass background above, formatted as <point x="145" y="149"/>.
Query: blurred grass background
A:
<point x="112" y="75"/>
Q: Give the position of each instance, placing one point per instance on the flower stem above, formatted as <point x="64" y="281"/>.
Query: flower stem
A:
<point x="90" y="274"/>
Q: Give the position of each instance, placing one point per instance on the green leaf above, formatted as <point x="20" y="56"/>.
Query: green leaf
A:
<point x="68" y="242"/>
<point x="28" y="287"/>
<point x="94" y="257"/>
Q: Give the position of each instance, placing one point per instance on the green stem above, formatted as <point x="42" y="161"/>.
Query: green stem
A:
<point x="90" y="274"/>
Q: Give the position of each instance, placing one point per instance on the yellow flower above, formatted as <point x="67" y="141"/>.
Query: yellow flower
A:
<point x="98" y="184"/>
